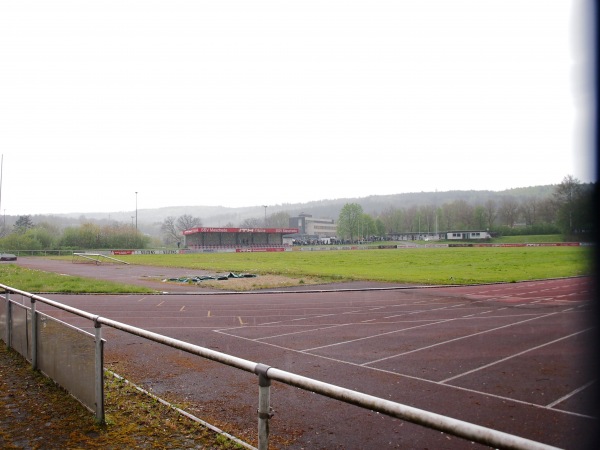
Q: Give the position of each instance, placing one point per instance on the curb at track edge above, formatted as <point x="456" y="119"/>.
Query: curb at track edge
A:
<point x="314" y="291"/>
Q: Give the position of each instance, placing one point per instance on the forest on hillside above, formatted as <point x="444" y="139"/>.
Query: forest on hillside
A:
<point x="564" y="208"/>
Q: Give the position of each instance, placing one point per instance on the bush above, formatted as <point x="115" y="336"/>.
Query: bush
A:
<point x="537" y="229"/>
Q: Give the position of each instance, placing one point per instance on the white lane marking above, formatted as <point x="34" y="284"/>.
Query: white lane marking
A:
<point x="570" y="394"/>
<point x="311" y="330"/>
<point x="459" y="338"/>
<point x="425" y="380"/>
<point x="513" y="356"/>
<point x="376" y="335"/>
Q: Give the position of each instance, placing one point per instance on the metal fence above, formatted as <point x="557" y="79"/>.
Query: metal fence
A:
<point x="14" y="328"/>
<point x="40" y="252"/>
<point x="71" y="357"/>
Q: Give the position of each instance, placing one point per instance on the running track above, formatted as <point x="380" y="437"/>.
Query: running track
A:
<point x="513" y="357"/>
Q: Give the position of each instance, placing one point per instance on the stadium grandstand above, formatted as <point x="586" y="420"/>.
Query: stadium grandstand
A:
<point x="238" y="239"/>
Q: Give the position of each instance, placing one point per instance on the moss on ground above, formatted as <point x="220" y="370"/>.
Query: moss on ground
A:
<point x="35" y="413"/>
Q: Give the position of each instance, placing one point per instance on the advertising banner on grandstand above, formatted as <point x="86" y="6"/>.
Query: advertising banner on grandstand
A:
<point x="241" y="230"/>
<point x="146" y="252"/>
<point x="259" y="249"/>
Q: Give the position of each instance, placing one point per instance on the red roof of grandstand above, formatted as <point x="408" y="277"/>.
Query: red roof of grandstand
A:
<point x="240" y="230"/>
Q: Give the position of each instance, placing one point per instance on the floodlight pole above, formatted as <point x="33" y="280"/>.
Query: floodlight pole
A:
<point x="265" y="206"/>
<point x="136" y="210"/>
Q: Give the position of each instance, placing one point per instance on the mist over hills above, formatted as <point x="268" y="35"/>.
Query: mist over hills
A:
<point x="150" y="219"/>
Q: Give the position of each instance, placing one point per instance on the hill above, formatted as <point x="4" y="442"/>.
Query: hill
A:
<point x="150" y="219"/>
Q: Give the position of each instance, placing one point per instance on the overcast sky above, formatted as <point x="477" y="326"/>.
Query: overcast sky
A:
<point x="243" y="103"/>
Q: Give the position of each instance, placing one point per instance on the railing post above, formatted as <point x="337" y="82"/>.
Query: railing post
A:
<point x="264" y="405"/>
<point x="7" y="338"/>
<point x="5" y="294"/>
<point x="99" y="370"/>
<point x="34" y="333"/>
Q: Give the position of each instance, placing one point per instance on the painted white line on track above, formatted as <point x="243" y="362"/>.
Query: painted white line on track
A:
<point x="424" y="380"/>
<point x="419" y="311"/>
<point x="513" y="356"/>
<point x="486" y="394"/>
<point x="305" y="327"/>
<point x="376" y="335"/>
<point x="570" y="394"/>
<point x="391" y="332"/>
<point x="300" y="332"/>
<point x="459" y="338"/>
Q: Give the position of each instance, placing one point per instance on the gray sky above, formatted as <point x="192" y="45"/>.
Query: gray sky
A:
<point x="241" y="103"/>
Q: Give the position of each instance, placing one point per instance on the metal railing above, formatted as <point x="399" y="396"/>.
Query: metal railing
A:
<point x="49" y="252"/>
<point x="266" y="374"/>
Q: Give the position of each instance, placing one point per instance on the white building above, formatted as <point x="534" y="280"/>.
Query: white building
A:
<point x="312" y="226"/>
<point x="459" y="235"/>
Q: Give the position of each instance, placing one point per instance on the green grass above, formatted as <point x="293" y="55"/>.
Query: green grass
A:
<point x="410" y="266"/>
<point x="416" y="265"/>
<point x="38" y="281"/>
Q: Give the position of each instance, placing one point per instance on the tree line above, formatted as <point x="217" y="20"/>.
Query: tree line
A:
<point x="26" y="235"/>
<point x="568" y="210"/>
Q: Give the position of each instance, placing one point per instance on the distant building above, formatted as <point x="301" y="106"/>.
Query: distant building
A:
<point x="458" y="235"/>
<point x="210" y="237"/>
<point x="311" y="226"/>
<point x="448" y="235"/>
<point x="416" y="236"/>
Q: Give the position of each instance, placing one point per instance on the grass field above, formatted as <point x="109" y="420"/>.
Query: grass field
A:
<point x="408" y="266"/>
<point x="416" y="265"/>
<point x="37" y="281"/>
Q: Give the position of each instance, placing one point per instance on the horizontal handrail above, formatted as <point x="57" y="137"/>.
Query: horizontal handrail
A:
<point x="98" y="257"/>
<point x="466" y="430"/>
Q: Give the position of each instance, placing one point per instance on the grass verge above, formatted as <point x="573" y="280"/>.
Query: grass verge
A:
<point x="38" y="281"/>
<point x="36" y="413"/>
